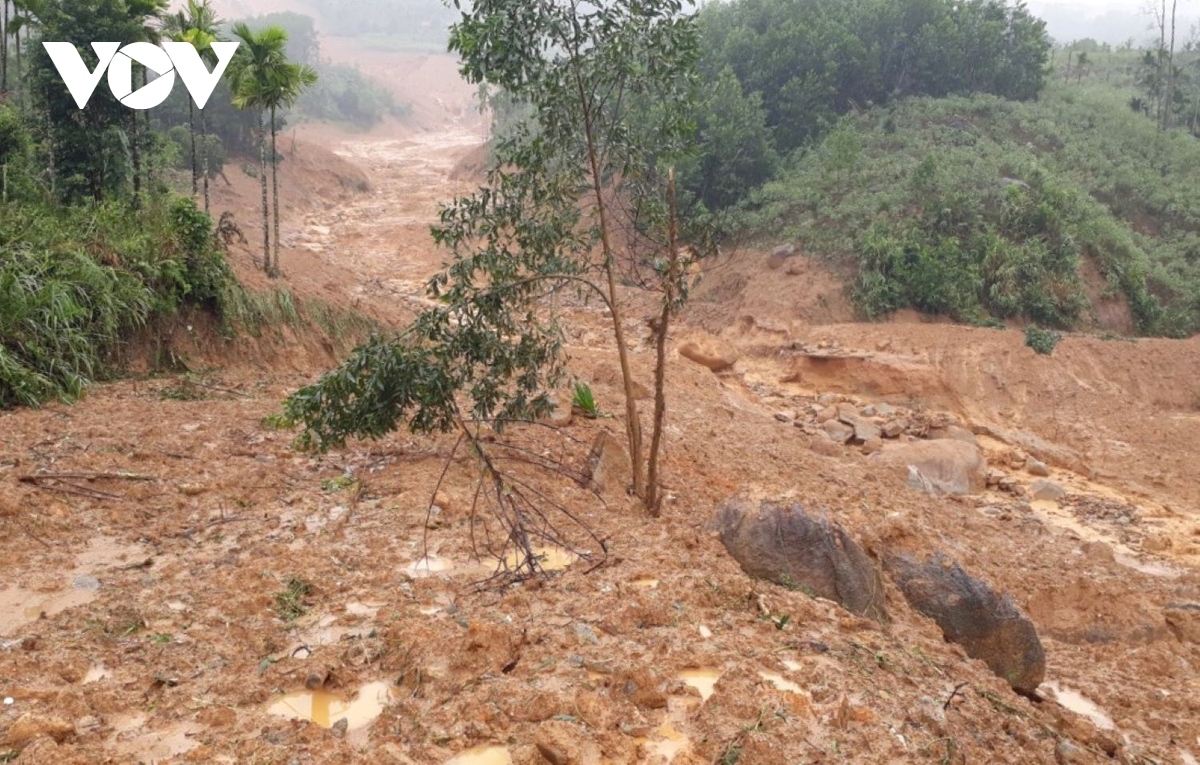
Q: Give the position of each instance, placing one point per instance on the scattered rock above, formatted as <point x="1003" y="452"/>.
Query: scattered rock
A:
<point x="780" y="255"/>
<point x="894" y="428"/>
<point x="955" y="432"/>
<point x="339" y="728"/>
<point x="784" y="544"/>
<point x="1183" y="619"/>
<point x="559" y="416"/>
<point x="848" y="413"/>
<point x="1066" y="753"/>
<point x="865" y="430"/>
<point x="872" y="446"/>
<point x="994" y="477"/>
<point x="41" y="751"/>
<point x="1044" y="489"/>
<point x="31" y="726"/>
<point x="838" y="431"/>
<point x="821" y="444"/>
<point x="827" y="399"/>
<point x="608" y="467"/>
<point x="827" y="414"/>
<point x="940" y="467"/>
<point x="785" y="417"/>
<point x="709" y="351"/>
<point x="987" y="625"/>
<point x="1037" y="467"/>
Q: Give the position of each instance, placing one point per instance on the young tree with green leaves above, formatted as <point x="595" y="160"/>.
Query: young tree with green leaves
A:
<point x="264" y="80"/>
<point x="579" y="200"/>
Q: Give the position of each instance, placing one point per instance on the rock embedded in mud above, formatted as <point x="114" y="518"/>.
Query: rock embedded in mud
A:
<point x="784" y="544"/>
<point x="1046" y="490"/>
<point x="946" y="467"/>
<point x="988" y="625"/>
<point x="709" y="351"/>
<point x="839" y="432"/>
<point x="1037" y="467"/>
<point x="608" y="466"/>
<point x="1183" y="619"/>
<point x="32" y="726"/>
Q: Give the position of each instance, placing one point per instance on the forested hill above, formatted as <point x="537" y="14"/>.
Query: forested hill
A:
<point x="947" y="157"/>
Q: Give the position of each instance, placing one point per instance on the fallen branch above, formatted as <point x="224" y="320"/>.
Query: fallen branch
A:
<point x="79" y="491"/>
<point x="36" y="477"/>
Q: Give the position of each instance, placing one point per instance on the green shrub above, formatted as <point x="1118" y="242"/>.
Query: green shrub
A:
<point x="1042" y="341"/>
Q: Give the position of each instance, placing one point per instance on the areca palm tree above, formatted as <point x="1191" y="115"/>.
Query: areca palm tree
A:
<point x="197" y="23"/>
<point x="148" y="16"/>
<point x="263" y="79"/>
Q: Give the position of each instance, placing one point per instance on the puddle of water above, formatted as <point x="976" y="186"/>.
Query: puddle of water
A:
<point x="1081" y="705"/>
<point x="482" y="755"/>
<point x="154" y="746"/>
<point x="668" y="742"/>
<point x="549" y="558"/>
<point x="781" y="683"/>
<point x="428" y="566"/>
<point x="649" y="584"/>
<point x="325" y="708"/>
<point x="703" y="680"/>
<point x="19" y="606"/>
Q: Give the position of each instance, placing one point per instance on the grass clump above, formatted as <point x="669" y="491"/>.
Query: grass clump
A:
<point x="289" y="603"/>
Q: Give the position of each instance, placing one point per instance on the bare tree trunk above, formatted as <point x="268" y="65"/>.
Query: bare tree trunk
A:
<point x="266" y="209"/>
<point x="633" y="424"/>
<point x="275" y="186"/>
<point x="1067" y="71"/>
<point x="204" y="137"/>
<point x="192" y="130"/>
<point x="1170" y="71"/>
<point x="653" y="497"/>
<point x="4" y="47"/>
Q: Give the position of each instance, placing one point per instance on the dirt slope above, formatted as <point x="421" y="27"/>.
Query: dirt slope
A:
<point x="166" y="608"/>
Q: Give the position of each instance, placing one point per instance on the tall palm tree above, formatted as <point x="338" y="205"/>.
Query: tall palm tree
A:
<point x="176" y="28"/>
<point x="148" y="16"/>
<point x="263" y="79"/>
<point x="203" y="25"/>
<point x="4" y="32"/>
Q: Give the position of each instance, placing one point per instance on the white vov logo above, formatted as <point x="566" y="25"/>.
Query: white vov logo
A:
<point x="165" y="61"/>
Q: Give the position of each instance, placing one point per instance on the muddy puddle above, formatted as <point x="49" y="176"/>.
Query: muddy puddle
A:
<point x="1080" y="705"/>
<point x="703" y="680"/>
<point x="482" y="755"/>
<point x="20" y="606"/>
<point x="326" y="708"/>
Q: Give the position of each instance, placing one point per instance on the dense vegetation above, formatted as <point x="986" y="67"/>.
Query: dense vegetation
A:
<point x="945" y="157"/>
<point x="94" y="242"/>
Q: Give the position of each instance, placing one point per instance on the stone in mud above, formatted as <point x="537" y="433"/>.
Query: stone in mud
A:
<point x="1183" y="619"/>
<point x="1037" y="467"/>
<point x="1046" y="490"/>
<point x="786" y="545"/>
<point x="821" y="444"/>
<point x="837" y="431"/>
<point x="988" y="625"/>
<point x="780" y="255"/>
<point x="709" y="351"/>
<point x="947" y="466"/>
<point x="608" y="467"/>
<point x="865" y="431"/>
<point x="894" y="428"/>
<point x="31" y="726"/>
<point x="827" y="414"/>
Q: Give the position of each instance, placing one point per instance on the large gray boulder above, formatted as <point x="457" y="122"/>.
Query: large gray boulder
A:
<point x="989" y="626"/>
<point x="946" y="466"/>
<point x="784" y="544"/>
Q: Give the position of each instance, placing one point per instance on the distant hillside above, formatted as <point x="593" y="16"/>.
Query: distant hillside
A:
<point x="1071" y="212"/>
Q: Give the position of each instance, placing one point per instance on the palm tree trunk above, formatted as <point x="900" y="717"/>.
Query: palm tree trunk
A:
<point x="275" y="186"/>
<point x="192" y="130"/>
<point x="4" y="48"/>
<point x="204" y="138"/>
<point x="266" y="210"/>
<point x="20" y="92"/>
